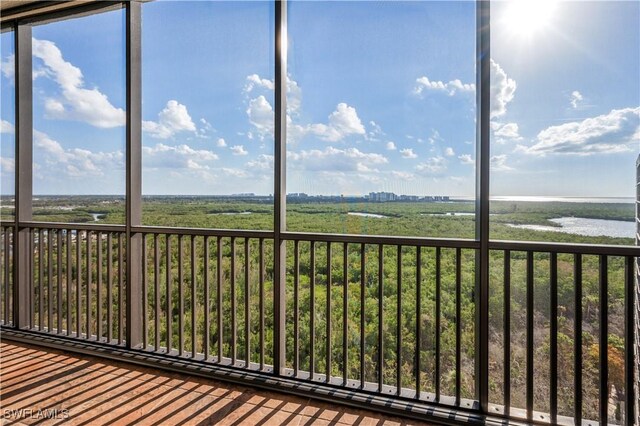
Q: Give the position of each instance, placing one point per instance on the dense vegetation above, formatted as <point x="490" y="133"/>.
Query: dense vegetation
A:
<point x="412" y="219"/>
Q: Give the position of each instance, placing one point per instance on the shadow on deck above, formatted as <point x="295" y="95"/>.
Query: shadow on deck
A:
<point x="47" y="386"/>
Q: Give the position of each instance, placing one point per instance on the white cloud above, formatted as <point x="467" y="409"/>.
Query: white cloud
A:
<point x="263" y="162"/>
<point x="254" y="80"/>
<point x="451" y="88"/>
<point x="7" y="165"/>
<point x="466" y="159"/>
<point x="8" y="67"/>
<point x="294" y="97"/>
<point x="498" y="163"/>
<point x="403" y="175"/>
<point x="408" y="153"/>
<point x="174" y="118"/>
<point x="502" y="90"/>
<point x="505" y="131"/>
<point x="221" y="143"/>
<point x="610" y="133"/>
<point x="237" y="173"/>
<point x="375" y="131"/>
<point x="391" y="146"/>
<point x="433" y="166"/>
<point x="334" y="159"/>
<point x="435" y="137"/>
<point x="342" y="122"/>
<point x="238" y="150"/>
<point x="74" y="162"/>
<point x="576" y="99"/>
<point x="178" y="157"/>
<point x="261" y="115"/>
<point x="6" y="127"/>
<point x="294" y="92"/>
<point x="449" y="152"/>
<point x="76" y="103"/>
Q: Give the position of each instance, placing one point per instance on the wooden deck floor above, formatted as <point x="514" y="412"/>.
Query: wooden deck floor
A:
<point x="37" y="383"/>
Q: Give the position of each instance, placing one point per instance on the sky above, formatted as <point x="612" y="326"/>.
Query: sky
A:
<point x="381" y="97"/>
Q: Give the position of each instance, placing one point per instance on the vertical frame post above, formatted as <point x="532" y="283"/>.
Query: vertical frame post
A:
<point x="280" y="191"/>
<point x="134" y="174"/>
<point x="23" y="174"/>
<point x="482" y="200"/>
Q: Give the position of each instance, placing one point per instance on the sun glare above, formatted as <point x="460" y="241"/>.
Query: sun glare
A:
<point x="525" y="18"/>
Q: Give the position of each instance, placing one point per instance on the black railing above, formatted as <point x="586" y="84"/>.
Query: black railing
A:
<point x="78" y="281"/>
<point x="392" y="317"/>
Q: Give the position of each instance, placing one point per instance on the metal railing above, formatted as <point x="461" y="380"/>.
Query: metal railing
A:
<point x="387" y="316"/>
<point x="78" y="279"/>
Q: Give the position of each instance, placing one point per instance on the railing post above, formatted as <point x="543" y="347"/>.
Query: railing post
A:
<point x="133" y="174"/>
<point x="482" y="200"/>
<point x="280" y="191"/>
<point x="23" y="175"/>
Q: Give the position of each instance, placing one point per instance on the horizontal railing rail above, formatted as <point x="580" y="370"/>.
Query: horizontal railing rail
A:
<point x="381" y="316"/>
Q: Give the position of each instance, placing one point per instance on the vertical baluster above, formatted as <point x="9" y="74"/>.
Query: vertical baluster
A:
<point x="247" y="294"/>
<point x="41" y="249"/>
<point x="418" y="320"/>
<point x="156" y="291"/>
<point x="577" y="350"/>
<point x="530" y="343"/>
<point x="261" y="303"/>
<point x="630" y="312"/>
<point x="78" y="283"/>
<point x="437" y="369"/>
<point x="296" y="313"/>
<point x="180" y="297"/>
<point x="7" y="269"/>
<point x="99" y="287"/>
<point x="68" y="276"/>
<point x="32" y="290"/>
<point x="50" y="280"/>
<point x="145" y="295"/>
<point x="380" y="316"/>
<point x="553" y="338"/>
<point x="207" y="303"/>
<point x="110" y="285"/>
<point x="312" y="309"/>
<point x="169" y="296"/>
<point x="193" y="297"/>
<point x="507" y="332"/>
<point x="5" y="275"/>
<point x="3" y="268"/>
<point x="604" y="339"/>
<point x="89" y="282"/>
<point x="345" y="309"/>
<point x="399" y="322"/>
<point x="328" y="316"/>
<point x="59" y="296"/>
<point x="362" y="316"/>
<point x="234" y="324"/>
<point x="458" y="322"/>
<point x="120" y="290"/>
<point x="219" y="294"/>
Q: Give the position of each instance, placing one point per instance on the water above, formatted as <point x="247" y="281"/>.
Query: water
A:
<point x="232" y="213"/>
<point x="586" y="227"/>
<point x="605" y="200"/>
<point x="558" y="199"/>
<point x="448" y="214"/>
<point x="97" y="216"/>
<point x="378" y="216"/>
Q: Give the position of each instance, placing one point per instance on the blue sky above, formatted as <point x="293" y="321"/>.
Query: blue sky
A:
<point x="381" y="98"/>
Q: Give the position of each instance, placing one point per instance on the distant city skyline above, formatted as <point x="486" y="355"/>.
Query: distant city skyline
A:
<point x="381" y="98"/>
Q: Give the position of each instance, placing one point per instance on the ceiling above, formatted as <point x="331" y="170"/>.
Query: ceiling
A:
<point x="11" y="9"/>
